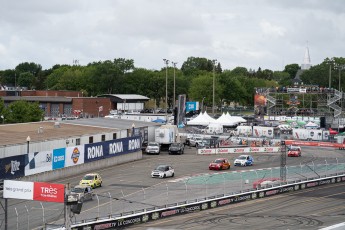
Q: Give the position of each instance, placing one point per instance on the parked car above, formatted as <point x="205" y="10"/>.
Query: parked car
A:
<point x="177" y="148"/>
<point x="294" y="151"/>
<point x="195" y="141"/>
<point x="219" y="164"/>
<point x="153" y="148"/>
<point x="244" y="160"/>
<point x="92" y="179"/>
<point x="163" y="171"/>
<point x="84" y="192"/>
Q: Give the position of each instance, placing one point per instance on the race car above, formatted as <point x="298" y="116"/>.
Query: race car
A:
<point x="219" y="164"/>
<point x="92" y="179"/>
<point x="266" y="182"/>
<point x="294" y="151"/>
<point x="163" y="171"/>
<point x="244" y="160"/>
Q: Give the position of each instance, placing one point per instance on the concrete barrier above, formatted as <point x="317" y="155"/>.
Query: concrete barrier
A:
<point x="83" y="168"/>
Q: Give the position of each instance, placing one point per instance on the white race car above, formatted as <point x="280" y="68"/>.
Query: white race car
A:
<point x="244" y="160"/>
<point x="163" y="171"/>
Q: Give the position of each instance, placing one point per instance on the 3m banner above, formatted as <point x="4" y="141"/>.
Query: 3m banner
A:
<point x="38" y="162"/>
<point x="39" y="191"/>
<point x="12" y="167"/>
<point x="74" y="155"/>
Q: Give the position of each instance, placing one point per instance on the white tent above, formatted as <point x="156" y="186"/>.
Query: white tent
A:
<point x="225" y="121"/>
<point x="311" y="125"/>
<point x="235" y="119"/>
<point x="201" y="119"/>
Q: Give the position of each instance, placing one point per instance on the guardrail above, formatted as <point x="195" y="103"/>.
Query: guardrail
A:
<point x="208" y="203"/>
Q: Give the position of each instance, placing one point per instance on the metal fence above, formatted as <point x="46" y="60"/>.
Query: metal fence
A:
<point x="169" y="192"/>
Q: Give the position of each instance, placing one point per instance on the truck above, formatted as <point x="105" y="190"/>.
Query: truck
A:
<point x="167" y="134"/>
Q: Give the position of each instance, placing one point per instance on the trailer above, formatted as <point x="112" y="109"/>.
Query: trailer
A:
<point x="167" y="134"/>
<point x="310" y="134"/>
<point x="261" y="131"/>
<point x="243" y="130"/>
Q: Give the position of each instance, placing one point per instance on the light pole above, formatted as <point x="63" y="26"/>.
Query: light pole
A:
<point x="214" y="76"/>
<point x="166" y="61"/>
<point x="202" y="105"/>
<point x="28" y="139"/>
<point x="340" y="67"/>
<point x="221" y="106"/>
<point x="174" y="64"/>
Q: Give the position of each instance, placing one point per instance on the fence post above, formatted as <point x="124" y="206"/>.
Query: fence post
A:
<point x="223" y="184"/>
<point x="43" y="213"/>
<point x="17" y="217"/>
<point x="123" y="206"/>
<point x="337" y="166"/>
<point x="97" y="206"/>
<point x="185" y="184"/>
<point x="167" y="193"/>
<point x="27" y="211"/>
<point x="326" y="170"/>
<point x="111" y="204"/>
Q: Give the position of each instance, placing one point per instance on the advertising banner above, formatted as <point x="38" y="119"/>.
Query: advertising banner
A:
<point x="239" y="150"/>
<point x="38" y="162"/>
<point x="18" y="189"/>
<point x="111" y="148"/>
<point x="12" y="167"/>
<point x="39" y="191"/>
<point x="49" y="192"/>
<point x="192" y="106"/>
<point x="74" y="155"/>
<point x="58" y="158"/>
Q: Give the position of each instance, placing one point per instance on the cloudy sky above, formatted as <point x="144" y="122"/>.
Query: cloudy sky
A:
<point x="249" y="33"/>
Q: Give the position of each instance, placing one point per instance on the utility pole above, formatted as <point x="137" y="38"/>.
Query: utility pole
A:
<point x="174" y="64"/>
<point x="214" y="76"/>
<point x="166" y="61"/>
<point x="67" y="208"/>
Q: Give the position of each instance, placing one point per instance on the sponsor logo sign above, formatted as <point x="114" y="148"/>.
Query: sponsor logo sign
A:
<point x="38" y="162"/>
<point x="58" y="158"/>
<point x="12" y="167"/>
<point x="39" y="191"/>
<point x="49" y="192"/>
<point x="74" y="155"/>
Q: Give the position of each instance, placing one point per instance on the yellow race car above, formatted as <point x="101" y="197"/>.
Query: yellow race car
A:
<point x="92" y="179"/>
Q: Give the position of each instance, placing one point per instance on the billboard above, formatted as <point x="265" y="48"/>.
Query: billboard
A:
<point x="38" y="162"/>
<point x="58" y="158"/>
<point x="74" y="155"/>
<point x="192" y="106"/>
<point x="12" y="167"/>
<point x="97" y="151"/>
<point x="39" y="191"/>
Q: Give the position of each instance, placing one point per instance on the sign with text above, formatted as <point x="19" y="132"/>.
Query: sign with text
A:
<point x="38" y="162"/>
<point x="12" y="167"/>
<point x="58" y="158"/>
<point x="39" y="191"/>
<point x="49" y="192"/>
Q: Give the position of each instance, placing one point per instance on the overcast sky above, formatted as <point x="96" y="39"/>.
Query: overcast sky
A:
<point x="249" y="33"/>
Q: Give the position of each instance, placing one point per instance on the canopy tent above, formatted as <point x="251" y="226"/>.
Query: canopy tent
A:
<point x="201" y="119"/>
<point x="311" y="125"/>
<point x="284" y="127"/>
<point x="225" y="121"/>
<point x="161" y="121"/>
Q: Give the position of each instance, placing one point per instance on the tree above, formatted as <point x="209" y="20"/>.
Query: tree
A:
<point x="23" y="111"/>
<point x="292" y="70"/>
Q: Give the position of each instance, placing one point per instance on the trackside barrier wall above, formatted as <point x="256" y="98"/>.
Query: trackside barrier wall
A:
<point x="239" y="150"/>
<point x="64" y="162"/>
<point x="180" y="209"/>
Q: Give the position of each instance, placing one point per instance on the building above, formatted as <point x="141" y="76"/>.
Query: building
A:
<point x="73" y="103"/>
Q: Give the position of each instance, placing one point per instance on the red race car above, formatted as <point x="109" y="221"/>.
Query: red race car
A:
<point x="219" y="164"/>
<point x="294" y="151"/>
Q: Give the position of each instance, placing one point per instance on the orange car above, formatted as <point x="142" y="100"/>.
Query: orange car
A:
<point x="219" y="164"/>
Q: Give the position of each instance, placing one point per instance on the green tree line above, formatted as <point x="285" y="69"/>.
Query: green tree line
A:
<point x="194" y="78"/>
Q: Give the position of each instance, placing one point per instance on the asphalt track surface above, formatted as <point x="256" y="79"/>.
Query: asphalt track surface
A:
<point x="132" y="180"/>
